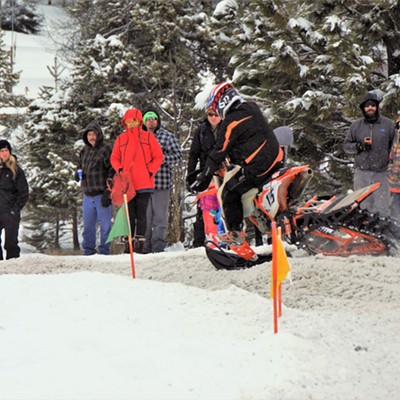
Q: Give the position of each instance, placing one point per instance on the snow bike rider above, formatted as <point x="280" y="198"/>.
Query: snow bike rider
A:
<point x="246" y="138"/>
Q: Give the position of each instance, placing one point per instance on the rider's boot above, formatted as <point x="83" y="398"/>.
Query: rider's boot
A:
<point x="236" y="238"/>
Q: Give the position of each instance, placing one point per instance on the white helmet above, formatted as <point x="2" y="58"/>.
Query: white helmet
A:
<point x="221" y="97"/>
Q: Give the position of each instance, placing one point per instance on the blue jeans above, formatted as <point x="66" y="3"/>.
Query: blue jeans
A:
<point x="94" y="212"/>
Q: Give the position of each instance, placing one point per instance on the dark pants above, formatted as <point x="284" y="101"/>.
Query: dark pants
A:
<point x="10" y="223"/>
<point x="232" y="196"/>
<point x="137" y="213"/>
<point x="232" y="200"/>
<point x="199" y="236"/>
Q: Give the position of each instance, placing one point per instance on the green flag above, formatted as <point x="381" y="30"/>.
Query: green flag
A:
<point x="121" y="225"/>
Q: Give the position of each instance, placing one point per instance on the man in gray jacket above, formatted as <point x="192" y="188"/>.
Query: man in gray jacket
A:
<point x="370" y="139"/>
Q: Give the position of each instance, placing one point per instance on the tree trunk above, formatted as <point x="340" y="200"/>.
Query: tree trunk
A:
<point x="75" y="237"/>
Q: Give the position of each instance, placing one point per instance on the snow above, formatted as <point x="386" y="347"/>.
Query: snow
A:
<point x="75" y="327"/>
<point x="35" y="53"/>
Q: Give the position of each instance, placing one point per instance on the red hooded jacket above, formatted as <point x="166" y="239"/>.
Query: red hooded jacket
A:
<point x="137" y="151"/>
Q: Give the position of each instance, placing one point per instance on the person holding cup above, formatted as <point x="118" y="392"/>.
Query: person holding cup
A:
<point x="370" y="140"/>
<point x="94" y="169"/>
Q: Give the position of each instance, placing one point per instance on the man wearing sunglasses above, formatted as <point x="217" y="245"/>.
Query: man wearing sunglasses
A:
<point x="370" y="140"/>
<point x="245" y="137"/>
<point x="203" y="143"/>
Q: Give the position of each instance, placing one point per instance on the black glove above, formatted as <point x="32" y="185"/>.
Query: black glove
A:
<point x="361" y="146"/>
<point x="201" y="183"/>
<point x="106" y="199"/>
<point x="191" y="178"/>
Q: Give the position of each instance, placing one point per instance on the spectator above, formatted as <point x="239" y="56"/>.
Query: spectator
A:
<point x="246" y="138"/>
<point x="370" y="139"/>
<point x="394" y="174"/>
<point x="202" y="144"/>
<point x="158" y="207"/>
<point x="95" y="168"/>
<point x="139" y="152"/>
<point x="14" y="194"/>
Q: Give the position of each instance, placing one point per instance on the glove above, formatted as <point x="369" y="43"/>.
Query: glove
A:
<point x="201" y="183"/>
<point x="105" y="199"/>
<point x="360" y="147"/>
<point x="191" y="178"/>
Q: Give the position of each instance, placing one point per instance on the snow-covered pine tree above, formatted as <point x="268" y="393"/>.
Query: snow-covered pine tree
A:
<point x="51" y="149"/>
<point x="20" y="16"/>
<point x="8" y="77"/>
<point x="308" y="65"/>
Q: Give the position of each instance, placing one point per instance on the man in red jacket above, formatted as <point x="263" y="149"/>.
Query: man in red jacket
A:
<point x="138" y="152"/>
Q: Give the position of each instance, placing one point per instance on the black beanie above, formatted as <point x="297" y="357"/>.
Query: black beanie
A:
<point x="4" y="143"/>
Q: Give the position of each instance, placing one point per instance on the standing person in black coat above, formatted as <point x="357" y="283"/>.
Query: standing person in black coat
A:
<point x="94" y="170"/>
<point x="202" y="144"/>
<point x="245" y="137"/>
<point x="14" y="194"/>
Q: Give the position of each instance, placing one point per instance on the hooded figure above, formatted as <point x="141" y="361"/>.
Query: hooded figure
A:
<point x="370" y="140"/>
<point x="95" y="167"/>
<point x="139" y="153"/>
<point x="370" y="117"/>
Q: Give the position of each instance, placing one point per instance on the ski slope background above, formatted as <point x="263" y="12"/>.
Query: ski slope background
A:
<point x="75" y="327"/>
<point x="35" y="53"/>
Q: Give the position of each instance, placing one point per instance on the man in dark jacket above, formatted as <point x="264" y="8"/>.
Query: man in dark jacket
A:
<point x="95" y="168"/>
<point x="370" y="140"/>
<point x="14" y="194"/>
<point x="202" y="144"/>
<point x="246" y="138"/>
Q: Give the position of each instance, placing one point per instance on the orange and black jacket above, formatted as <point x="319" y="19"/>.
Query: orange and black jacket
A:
<point x="245" y="137"/>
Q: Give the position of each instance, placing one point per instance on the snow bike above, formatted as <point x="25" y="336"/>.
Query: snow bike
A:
<point x="329" y="225"/>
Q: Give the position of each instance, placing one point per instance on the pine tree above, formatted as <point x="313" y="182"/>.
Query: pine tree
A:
<point x="308" y="64"/>
<point x="8" y="78"/>
<point x="51" y="148"/>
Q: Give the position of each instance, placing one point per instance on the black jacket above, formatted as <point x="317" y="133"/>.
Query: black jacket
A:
<point x="246" y="138"/>
<point x="13" y="193"/>
<point x="202" y="144"/>
<point x="95" y="162"/>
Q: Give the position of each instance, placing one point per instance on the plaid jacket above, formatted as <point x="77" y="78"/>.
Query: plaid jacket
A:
<point x="95" y="163"/>
<point x="172" y="155"/>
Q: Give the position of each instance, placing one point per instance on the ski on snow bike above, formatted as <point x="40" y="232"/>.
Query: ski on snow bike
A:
<point x="329" y="225"/>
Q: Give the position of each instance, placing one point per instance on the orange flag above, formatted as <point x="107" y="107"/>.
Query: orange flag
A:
<point x="282" y="262"/>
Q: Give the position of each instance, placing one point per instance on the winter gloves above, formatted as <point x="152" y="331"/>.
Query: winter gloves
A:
<point x="366" y="145"/>
<point x="201" y="183"/>
<point x="106" y="199"/>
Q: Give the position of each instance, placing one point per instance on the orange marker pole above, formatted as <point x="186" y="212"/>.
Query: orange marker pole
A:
<point x="279" y="234"/>
<point x="130" y="237"/>
<point x="275" y="276"/>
